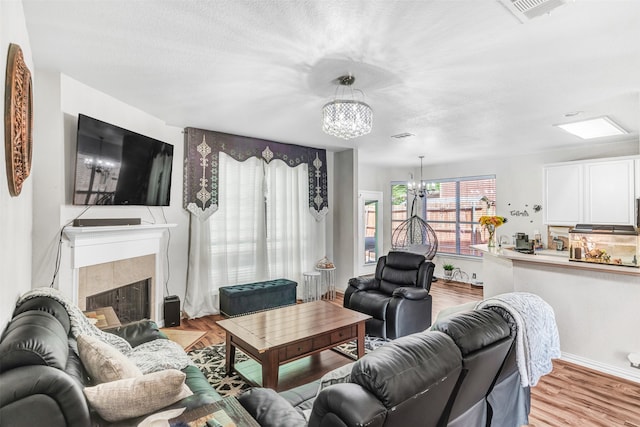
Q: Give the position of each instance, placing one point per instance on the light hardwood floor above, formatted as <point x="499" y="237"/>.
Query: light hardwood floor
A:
<point x="571" y="395"/>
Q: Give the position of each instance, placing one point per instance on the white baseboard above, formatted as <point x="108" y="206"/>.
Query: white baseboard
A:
<point x="601" y="367"/>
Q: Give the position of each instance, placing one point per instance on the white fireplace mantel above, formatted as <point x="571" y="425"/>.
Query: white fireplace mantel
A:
<point x="85" y="246"/>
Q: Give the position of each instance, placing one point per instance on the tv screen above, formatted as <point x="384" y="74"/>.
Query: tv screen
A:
<point x="115" y="166"/>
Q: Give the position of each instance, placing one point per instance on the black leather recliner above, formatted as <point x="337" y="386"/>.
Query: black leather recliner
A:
<point x="396" y="297"/>
<point x="406" y="382"/>
<point x="463" y="374"/>
<point x="484" y="339"/>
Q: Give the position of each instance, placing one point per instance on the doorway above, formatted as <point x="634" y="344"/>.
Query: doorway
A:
<point x="369" y="230"/>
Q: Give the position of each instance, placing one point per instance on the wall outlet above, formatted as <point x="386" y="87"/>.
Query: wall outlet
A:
<point x="473" y="276"/>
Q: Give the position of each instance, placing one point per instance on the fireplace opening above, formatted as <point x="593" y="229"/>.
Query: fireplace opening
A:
<point x="130" y="302"/>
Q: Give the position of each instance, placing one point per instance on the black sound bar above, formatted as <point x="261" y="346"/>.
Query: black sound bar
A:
<point x="101" y="222"/>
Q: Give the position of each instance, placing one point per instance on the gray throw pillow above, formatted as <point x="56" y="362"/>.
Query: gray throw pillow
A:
<point x="337" y="376"/>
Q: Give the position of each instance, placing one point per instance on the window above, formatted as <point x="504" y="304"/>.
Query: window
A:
<point x="263" y="229"/>
<point x="452" y="208"/>
<point x="399" y="206"/>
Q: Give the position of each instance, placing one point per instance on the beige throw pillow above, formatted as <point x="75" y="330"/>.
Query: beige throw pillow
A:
<point x="133" y="397"/>
<point x="104" y="362"/>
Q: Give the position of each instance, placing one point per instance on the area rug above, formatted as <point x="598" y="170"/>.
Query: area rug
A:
<point x="210" y="360"/>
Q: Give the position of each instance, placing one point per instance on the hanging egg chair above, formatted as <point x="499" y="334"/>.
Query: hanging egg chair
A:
<point x="415" y="235"/>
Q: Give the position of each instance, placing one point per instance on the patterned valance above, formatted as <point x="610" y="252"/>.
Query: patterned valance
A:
<point x="201" y="154"/>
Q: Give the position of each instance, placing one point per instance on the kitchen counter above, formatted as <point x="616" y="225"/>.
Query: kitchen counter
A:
<point x="554" y="258"/>
<point x="595" y="305"/>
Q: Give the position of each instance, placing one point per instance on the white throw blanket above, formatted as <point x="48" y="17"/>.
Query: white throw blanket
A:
<point x="152" y="356"/>
<point x="537" y="339"/>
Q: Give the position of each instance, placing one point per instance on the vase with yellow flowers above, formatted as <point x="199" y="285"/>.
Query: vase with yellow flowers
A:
<point x="490" y="222"/>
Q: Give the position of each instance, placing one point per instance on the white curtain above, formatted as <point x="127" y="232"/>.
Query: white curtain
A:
<point x="199" y="300"/>
<point x="294" y="239"/>
<point x="263" y="229"/>
<point x="238" y="228"/>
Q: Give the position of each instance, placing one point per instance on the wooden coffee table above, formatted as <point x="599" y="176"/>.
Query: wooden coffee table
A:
<point x="282" y="335"/>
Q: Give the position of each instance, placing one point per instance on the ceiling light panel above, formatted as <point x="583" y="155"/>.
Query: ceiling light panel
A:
<point x="593" y="128"/>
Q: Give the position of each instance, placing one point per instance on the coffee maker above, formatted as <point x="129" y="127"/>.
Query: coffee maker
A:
<point x="523" y="244"/>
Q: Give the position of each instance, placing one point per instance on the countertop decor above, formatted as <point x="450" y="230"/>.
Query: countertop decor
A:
<point x="551" y="257"/>
<point x="490" y="222"/>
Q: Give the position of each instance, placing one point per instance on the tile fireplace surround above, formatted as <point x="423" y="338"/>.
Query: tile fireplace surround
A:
<point x="95" y="259"/>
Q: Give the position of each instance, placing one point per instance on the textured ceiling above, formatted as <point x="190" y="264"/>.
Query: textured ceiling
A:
<point x="466" y="77"/>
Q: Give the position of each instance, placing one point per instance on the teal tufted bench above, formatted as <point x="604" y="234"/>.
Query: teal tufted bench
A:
<point x="251" y="297"/>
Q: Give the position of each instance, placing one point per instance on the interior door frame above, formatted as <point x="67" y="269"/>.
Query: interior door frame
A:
<point x="363" y="197"/>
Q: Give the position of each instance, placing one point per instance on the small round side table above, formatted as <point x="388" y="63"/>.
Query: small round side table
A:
<point x="328" y="282"/>
<point x="312" y="286"/>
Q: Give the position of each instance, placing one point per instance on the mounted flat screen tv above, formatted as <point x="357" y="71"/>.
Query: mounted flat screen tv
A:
<point x="115" y="166"/>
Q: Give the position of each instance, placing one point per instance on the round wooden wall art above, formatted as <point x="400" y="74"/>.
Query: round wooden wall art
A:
<point x="18" y="119"/>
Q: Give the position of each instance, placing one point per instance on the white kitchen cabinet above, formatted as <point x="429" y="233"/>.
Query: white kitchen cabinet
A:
<point x="563" y="190"/>
<point x="609" y="195"/>
<point x="592" y="192"/>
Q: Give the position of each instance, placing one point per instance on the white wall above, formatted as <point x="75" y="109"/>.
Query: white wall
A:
<point x="61" y="99"/>
<point x="15" y="212"/>
<point x="518" y="187"/>
<point x="345" y="212"/>
<point x="48" y="190"/>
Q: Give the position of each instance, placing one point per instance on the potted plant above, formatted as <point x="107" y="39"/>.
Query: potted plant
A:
<point x="448" y="270"/>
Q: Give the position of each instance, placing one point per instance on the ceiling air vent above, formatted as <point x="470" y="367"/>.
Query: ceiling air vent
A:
<point x="525" y="10"/>
<point x="402" y="135"/>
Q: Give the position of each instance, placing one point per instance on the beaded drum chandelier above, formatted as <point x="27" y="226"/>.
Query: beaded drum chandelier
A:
<point x="346" y="118"/>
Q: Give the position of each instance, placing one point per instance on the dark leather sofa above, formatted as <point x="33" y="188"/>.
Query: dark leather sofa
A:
<point x="42" y="377"/>
<point x="396" y="297"/>
<point x="462" y="372"/>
